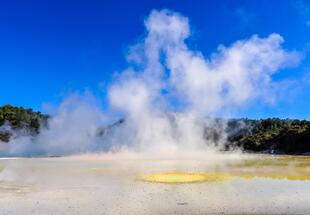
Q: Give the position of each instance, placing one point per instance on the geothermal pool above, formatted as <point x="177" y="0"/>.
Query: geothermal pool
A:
<point x="244" y="184"/>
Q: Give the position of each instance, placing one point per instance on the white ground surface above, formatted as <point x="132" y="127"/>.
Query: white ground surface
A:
<point x="111" y="187"/>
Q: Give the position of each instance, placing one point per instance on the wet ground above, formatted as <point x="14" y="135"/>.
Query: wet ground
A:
<point x="86" y="185"/>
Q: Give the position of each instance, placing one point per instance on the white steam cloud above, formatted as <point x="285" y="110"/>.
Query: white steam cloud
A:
<point x="167" y="97"/>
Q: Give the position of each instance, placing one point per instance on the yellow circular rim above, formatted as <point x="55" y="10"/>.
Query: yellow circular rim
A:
<point x="183" y="177"/>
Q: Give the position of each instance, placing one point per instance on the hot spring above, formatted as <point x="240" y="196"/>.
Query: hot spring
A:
<point x="168" y="98"/>
<point x="243" y="184"/>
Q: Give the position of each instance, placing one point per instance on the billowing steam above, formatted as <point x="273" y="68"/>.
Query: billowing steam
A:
<point x="167" y="97"/>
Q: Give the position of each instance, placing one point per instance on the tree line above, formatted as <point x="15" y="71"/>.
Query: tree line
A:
<point x="272" y="135"/>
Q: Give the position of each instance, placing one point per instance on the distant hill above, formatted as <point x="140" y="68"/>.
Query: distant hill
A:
<point x="279" y="136"/>
<point x="273" y="135"/>
<point x="20" y="120"/>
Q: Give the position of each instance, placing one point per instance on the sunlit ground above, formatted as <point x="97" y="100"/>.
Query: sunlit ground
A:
<point x="227" y="185"/>
<point x="183" y="177"/>
<point x="268" y="167"/>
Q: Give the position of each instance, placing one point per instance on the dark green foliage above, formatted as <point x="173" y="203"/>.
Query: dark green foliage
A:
<point x="20" y="118"/>
<point x="5" y="136"/>
<point x="276" y="136"/>
<point x="272" y="135"/>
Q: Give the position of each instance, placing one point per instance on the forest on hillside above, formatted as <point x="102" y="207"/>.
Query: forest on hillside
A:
<point x="273" y="135"/>
<point x="20" y="120"/>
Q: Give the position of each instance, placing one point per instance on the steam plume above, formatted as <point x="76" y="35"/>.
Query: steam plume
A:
<point x="168" y="95"/>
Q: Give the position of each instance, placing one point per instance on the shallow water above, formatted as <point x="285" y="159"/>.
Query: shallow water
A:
<point x="258" y="184"/>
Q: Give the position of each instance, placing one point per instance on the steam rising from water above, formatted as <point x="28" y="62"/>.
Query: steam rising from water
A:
<point x="167" y="96"/>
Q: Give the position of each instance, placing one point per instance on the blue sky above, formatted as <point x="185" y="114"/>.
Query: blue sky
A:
<point x="51" y="48"/>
